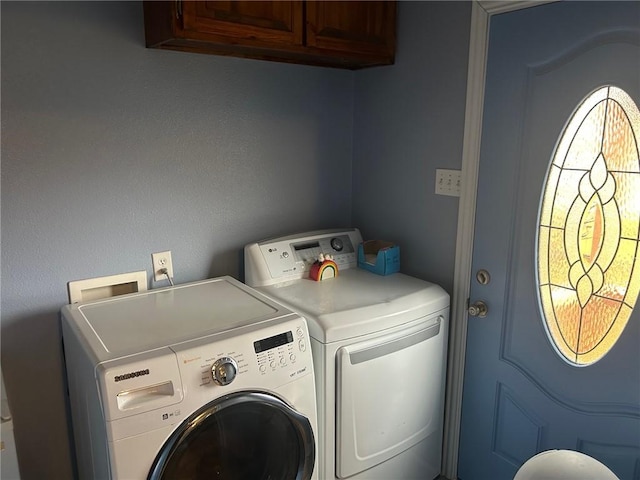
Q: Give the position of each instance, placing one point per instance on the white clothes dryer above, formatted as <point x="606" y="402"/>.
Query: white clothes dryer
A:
<point x="379" y="345"/>
<point x="204" y="380"/>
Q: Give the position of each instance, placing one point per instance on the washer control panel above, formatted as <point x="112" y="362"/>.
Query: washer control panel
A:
<point x="280" y="350"/>
<point x="290" y="258"/>
<point x="269" y="356"/>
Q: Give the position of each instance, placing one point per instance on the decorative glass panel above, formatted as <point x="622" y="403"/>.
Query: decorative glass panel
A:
<point x="589" y="228"/>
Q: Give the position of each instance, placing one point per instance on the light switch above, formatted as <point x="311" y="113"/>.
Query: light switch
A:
<point x="448" y="182"/>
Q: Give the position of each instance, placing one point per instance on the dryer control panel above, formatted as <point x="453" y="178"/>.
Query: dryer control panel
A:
<point x="290" y="258"/>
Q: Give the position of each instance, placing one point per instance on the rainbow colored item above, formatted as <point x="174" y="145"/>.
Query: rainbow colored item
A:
<point x="323" y="270"/>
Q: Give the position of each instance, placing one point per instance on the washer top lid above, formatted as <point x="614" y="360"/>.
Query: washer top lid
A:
<point x="157" y="318"/>
<point x="357" y="302"/>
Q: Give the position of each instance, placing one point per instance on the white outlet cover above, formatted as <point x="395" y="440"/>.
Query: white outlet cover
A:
<point x="162" y="260"/>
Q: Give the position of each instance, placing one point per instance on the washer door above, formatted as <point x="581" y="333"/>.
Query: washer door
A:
<point x="241" y="436"/>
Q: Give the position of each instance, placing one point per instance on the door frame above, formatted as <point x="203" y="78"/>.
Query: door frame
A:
<point x="481" y="13"/>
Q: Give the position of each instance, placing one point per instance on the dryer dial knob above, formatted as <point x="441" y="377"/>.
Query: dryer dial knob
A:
<point x="224" y="370"/>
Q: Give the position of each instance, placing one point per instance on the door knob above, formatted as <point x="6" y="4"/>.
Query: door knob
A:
<point x="478" y="309"/>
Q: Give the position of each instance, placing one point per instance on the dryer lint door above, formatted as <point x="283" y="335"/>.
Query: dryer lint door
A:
<point x="389" y="394"/>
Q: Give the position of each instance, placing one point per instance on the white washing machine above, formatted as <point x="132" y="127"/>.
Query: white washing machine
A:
<point x="203" y="380"/>
<point x="379" y="345"/>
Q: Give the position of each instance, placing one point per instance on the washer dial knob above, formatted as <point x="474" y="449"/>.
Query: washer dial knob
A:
<point x="224" y="370"/>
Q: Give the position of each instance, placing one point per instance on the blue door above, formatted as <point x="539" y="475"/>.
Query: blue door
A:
<point x="555" y="362"/>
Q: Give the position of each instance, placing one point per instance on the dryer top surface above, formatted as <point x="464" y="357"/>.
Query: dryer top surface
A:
<point x="358" y="302"/>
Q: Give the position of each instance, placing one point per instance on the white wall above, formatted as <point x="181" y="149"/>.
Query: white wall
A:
<point x="111" y="151"/>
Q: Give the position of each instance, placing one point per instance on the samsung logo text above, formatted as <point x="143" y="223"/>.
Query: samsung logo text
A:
<point x="127" y="376"/>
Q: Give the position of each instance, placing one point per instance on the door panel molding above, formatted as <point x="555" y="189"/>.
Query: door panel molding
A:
<point x="624" y="463"/>
<point x="518" y="430"/>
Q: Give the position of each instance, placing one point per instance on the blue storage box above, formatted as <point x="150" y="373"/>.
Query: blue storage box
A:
<point x="379" y="257"/>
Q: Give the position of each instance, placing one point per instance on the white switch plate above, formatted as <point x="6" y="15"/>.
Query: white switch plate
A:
<point x="448" y="182"/>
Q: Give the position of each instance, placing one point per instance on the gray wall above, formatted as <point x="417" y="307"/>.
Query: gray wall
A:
<point x="409" y="120"/>
<point x="111" y="151"/>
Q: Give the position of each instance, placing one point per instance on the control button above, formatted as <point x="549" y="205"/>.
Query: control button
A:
<point x="272" y="364"/>
<point x="285" y="254"/>
<point x="299" y="332"/>
<point x="283" y="361"/>
<point x="302" y="346"/>
<point x="263" y="368"/>
<point x="292" y="357"/>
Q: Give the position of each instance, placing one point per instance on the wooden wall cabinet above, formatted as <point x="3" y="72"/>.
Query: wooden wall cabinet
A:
<point x="346" y="34"/>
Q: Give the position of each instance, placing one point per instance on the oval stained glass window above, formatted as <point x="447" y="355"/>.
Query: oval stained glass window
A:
<point x="588" y="242"/>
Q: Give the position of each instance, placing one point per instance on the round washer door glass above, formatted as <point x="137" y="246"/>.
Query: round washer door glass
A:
<point x="241" y="436"/>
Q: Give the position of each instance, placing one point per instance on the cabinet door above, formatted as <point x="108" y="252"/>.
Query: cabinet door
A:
<point x="244" y="22"/>
<point x="364" y="28"/>
<point x="344" y="34"/>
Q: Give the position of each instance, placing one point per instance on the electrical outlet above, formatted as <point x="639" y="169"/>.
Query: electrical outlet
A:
<point x="161" y="261"/>
<point x="448" y="182"/>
